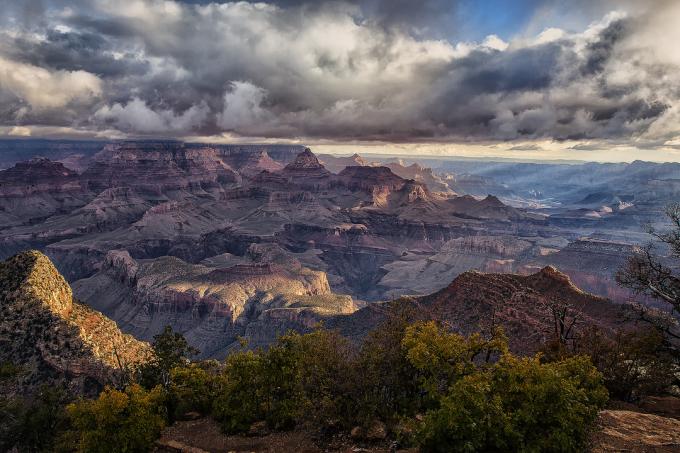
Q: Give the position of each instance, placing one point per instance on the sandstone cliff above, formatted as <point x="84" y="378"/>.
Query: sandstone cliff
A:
<point x="54" y="339"/>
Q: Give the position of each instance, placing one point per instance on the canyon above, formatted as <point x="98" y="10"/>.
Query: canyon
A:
<point x="247" y="241"/>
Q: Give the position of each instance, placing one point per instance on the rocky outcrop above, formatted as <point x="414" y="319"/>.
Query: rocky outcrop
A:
<point x="155" y="168"/>
<point x="521" y="305"/>
<point x="38" y="175"/>
<point x="420" y="174"/>
<point x="622" y="430"/>
<point x="374" y="180"/>
<point x="33" y="190"/>
<point x="306" y="172"/>
<point x="479" y="302"/>
<point x="53" y="338"/>
<point x="281" y="154"/>
<point x="417" y="274"/>
<point x="212" y="305"/>
<point x="251" y="163"/>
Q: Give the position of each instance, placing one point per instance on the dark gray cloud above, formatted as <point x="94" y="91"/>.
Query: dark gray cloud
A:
<point x="330" y="70"/>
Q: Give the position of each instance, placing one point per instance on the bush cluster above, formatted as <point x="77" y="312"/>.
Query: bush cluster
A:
<point x="439" y="390"/>
<point x="427" y="386"/>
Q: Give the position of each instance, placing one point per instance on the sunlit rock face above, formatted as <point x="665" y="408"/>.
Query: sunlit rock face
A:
<point x="55" y="339"/>
<point x="213" y="303"/>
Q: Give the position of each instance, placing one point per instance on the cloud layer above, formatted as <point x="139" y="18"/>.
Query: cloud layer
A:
<point x="338" y="70"/>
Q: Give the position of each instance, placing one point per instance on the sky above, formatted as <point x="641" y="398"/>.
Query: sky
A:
<point x="534" y="79"/>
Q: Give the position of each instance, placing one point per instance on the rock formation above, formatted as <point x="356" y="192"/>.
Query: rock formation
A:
<point x="158" y="168"/>
<point x="53" y="338"/>
<point x="215" y="303"/>
<point x="480" y="302"/>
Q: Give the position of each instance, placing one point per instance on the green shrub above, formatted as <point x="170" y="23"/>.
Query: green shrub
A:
<point x="244" y="390"/>
<point x="171" y="350"/>
<point x="517" y="405"/>
<point x="128" y="421"/>
<point x="301" y="379"/>
<point x="9" y="371"/>
<point x="387" y="385"/>
<point x="634" y="364"/>
<point x="442" y="357"/>
<point x="193" y="388"/>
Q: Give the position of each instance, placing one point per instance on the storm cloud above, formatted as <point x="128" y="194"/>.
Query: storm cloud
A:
<point x="337" y="70"/>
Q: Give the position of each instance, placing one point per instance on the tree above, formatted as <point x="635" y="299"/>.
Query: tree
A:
<point x="171" y="350"/>
<point x="193" y="388"/>
<point x="301" y="379"/>
<point x="653" y="270"/>
<point x="633" y="363"/>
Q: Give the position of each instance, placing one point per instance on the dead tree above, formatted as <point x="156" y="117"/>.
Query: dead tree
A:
<point x="654" y="271"/>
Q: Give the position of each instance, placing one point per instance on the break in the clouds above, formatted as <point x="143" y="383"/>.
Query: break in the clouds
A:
<point x="391" y="71"/>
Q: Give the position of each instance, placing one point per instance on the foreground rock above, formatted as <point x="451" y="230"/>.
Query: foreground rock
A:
<point x="52" y="338"/>
<point x="628" y="431"/>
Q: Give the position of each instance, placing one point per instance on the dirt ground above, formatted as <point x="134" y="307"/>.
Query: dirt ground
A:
<point x="203" y="435"/>
<point x="622" y="428"/>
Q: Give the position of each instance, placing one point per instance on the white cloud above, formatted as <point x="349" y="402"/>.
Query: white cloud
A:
<point x="137" y="116"/>
<point x="43" y="89"/>
<point x="494" y="42"/>
<point x="19" y="131"/>
<point x="243" y="107"/>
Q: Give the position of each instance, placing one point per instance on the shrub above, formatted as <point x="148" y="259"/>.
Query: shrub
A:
<point x="303" y="378"/>
<point x="443" y="357"/>
<point x="517" y="405"/>
<point x="171" y="350"/>
<point x="32" y="424"/>
<point x="193" y="388"/>
<point x="387" y="382"/>
<point x="128" y="421"/>
<point x="244" y="389"/>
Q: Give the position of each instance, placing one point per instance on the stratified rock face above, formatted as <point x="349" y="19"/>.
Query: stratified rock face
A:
<point x="420" y="174"/>
<point x="488" y="208"/>
<point x="35" y="176"/>
<point x="521" y="305"/>
<point x="305" y="172"/>
<point x="420" y="275"/>
<point x="54" y="339"/>
<point x="158" y="167"/>
<point x="36" y="189"/>
<point x="306" y="160"/>
<point x="251" y="163"/>
<point x="212" y="304"/>
<point x="592" y="264"/>
<point x="281" y="154"/>
<point x="370" y="179"/>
